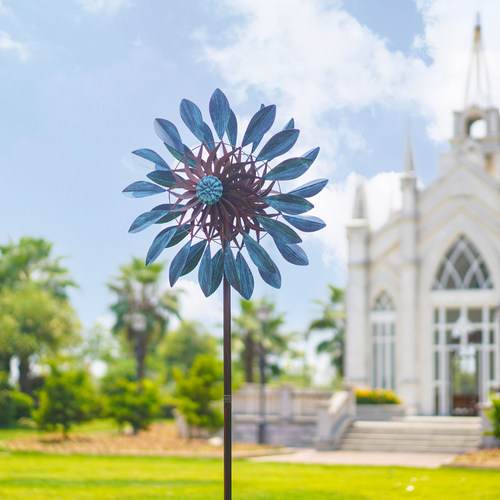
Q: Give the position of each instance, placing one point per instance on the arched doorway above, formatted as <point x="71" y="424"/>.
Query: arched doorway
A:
<point x="465" y="336"/>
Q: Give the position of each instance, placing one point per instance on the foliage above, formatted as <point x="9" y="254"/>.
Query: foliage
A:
<point x="494" y="414"/>
<point x="38" y="323"/>
<point x="249" y="334"/>
<point x="67" y="397"/>
<point x="30" y="261"/>
<point x="366" y="396"/>
<point x="332" y="319"/>
<point x="35" y="315"/>
<point x="13" y="404"/>
<point x="198" y="391"/>
<point x="142" y="310"/>
<point x="134" y="403"/>
<point x="181" y="346"/>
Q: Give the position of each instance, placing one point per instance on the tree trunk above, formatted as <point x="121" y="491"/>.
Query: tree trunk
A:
<point x="24" y="375"/>
<point x="140" y="356"/>
<point x="248" y="359"/>
<point x="5" y="363"/>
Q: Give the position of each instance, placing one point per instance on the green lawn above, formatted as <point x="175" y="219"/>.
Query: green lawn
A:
<point x="53" y="477"/>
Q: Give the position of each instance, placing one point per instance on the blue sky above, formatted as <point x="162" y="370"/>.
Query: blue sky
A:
<point x="82" y="80"/>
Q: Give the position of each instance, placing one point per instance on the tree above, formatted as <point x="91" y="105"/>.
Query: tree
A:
<point x="181" y="346"/>
<point x="142" y="310"/>
<point x="135" y="403"/>
<point x="67" y="398"/>
<point x="31" y="261"/>
<point x="332" y="319"/>
<point x="25" y="268"/>
<point x="198" y="391"/>
<point x="250" y="334"/>
<point x="35" y="323"/>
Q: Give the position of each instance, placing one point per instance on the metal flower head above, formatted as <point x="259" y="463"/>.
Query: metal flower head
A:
<point x="225" y="198"/>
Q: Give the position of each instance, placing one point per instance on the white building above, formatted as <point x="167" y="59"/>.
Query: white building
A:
<point x="423" y="294"/>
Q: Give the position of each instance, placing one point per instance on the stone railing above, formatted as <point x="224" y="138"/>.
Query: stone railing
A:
<point x="334" y="418"/>
<point x="290" y="418"/>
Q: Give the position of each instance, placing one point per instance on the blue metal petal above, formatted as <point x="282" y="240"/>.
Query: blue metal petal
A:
<point x="191" y="116"/>
<point x="306" y="223"/>
<point x="162" y="177"/>
<point x="273" y="279"/>
<point x="159" y="243"/>
<point x="179" y="156"/>
<point x="258" y="255"/>
<point x="152" y="156"/>
<point x="260" y="123"/>
<point x="169" y="134"/>
<point x="310" y="189"/>
<point x="208" y="136"/>
<point x="292" y="253"/>
<point x="289" y="203"/>
<point x="289" y="125"/>
<point x="279" y="231"/>
<point x="195" y="253"/>
<point x="217" y="270"/>
<point x="141" y="189"/>
<point x="219" y="112"/>
<point x="279" y="144"/>
<point x="147" y="219"/>
<point x="232" y="128"/>
<point x="289" y="169"/>
<point x="311" y="154"/>
<point x="246" y="277"/>
<point x="230" y="269"/>
<point x="168" y="215"/>
<point x="179" y="235"/>
<point x="178" y="263"/>
<point x="205" y="273"/>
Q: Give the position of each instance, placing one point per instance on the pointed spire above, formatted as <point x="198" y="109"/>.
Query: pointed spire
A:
<point x="477" y="91"/>
<point x="408" y="166"/>
<point x="359" y="210"/>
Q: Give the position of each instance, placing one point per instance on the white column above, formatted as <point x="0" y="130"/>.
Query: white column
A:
<point x="408" y="319"/>
<point x="358" y="339"/>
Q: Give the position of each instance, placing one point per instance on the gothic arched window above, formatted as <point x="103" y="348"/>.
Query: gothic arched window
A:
<point x="462" y="268"/>
<point x="383" y="322"/>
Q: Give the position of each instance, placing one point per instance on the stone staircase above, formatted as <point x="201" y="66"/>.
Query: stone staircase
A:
<point x="415" y="434"/>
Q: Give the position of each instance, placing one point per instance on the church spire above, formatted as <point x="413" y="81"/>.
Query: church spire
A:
<point x="408" y="167"/>
<point x="477" y="91"/>
<point x="360" y="207"/>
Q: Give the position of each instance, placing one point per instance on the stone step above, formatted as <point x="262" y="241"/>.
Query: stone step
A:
<point x="412" y="438"/>
<point x="415" y="434"/>
<point x="408" y="448"/>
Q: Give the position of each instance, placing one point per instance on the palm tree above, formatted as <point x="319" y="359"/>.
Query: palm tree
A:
<point x="31" y="261"/>
<point x="251" y="334"/>
<point x="142" y="310"/>
<point x="333" y="319"/>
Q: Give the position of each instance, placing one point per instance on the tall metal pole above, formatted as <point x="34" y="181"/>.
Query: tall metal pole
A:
<point x="227" y="388"/>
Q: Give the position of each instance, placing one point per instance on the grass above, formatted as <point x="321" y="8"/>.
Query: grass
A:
<point x="75" y="477"/>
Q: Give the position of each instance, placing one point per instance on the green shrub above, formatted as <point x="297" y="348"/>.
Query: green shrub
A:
<point x="134" y="403"/>
<point x="23" y="405"/>
<point x="494" y="414"/>
<point x="198" y="391"/>
<point x="368" y="396"/>
<point x="66" y="398"/>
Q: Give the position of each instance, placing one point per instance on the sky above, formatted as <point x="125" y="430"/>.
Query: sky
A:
<point x="82" y="80"/>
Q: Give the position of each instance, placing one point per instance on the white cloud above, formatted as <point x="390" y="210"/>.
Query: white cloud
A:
<point x="318" y="63"/>
<point x="196" y="307"/>
<point x="334" y="205"/>
<point x="106" y="6"/>
<point x="7" y="44"/>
